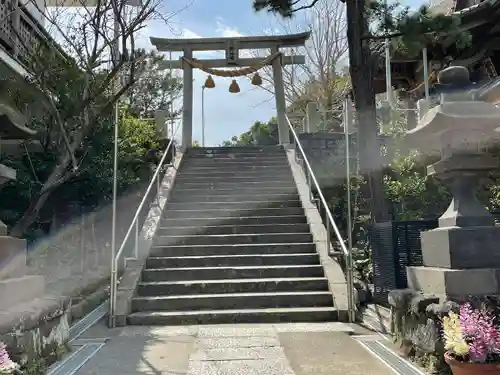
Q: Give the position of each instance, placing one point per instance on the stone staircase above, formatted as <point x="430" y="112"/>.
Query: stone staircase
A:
<point x="233" y="246"/>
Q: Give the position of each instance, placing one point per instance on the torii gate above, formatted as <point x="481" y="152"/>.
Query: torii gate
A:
<point x="232" y="46"/>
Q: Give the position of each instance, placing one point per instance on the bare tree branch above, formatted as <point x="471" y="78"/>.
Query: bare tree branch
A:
<point x="326" y="50"/>
<point x="302" y="7"/>
<point x="76" y="74"/>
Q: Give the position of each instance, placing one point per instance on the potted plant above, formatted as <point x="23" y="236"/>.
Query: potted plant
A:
<point x="472" y="342"/>
<point x="7" y="365"/>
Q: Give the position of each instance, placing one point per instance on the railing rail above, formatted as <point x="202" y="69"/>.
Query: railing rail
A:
<point x="330" y="224"/>
<point x="134" y="228"/>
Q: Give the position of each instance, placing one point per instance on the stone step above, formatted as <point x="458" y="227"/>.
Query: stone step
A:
<point x="235" y="272"/>
<point x="238" y="156"/>
<point x="227" y="162"/>
<point x="242" y="220"/>
<point x="236" y="171"/>
<point x="289" y="315"/>
<point x="285" y="248"/>
<point x="235" y="149"/>
<point x="255" y="185"/>
<point x="227" y="213"/>
<point x="248" y="191"/>
<point x="233" y="301"/>
<point x="232" y="239"/>
<point x="208" y="197"/>
<point x="234" y="178"/>
<point x="161" y="288"/>
<point x="233" y="229"/>
<point x="232" y="260"/>
<point x="171" y="221"/>
<point x="236" y="168"/>
<point x="193" y="205"/>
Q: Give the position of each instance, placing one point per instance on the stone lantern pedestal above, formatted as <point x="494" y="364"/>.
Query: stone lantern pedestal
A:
<point x="462" y="256"/>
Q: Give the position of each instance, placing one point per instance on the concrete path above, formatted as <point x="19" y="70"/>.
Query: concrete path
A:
<point x="274" y="349"/>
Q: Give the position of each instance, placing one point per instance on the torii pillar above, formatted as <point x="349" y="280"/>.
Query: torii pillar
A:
<point x="187" y="97"/>
<point x="232" y="46"/>
<point x="279" y="97"/>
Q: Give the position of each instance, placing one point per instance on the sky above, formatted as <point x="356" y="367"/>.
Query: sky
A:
<point x="226" y="114"/>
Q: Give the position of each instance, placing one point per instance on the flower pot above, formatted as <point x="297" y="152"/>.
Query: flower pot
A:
<point x="467" y="368"/>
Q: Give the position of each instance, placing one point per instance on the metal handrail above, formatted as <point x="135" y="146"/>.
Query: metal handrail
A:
<point x="134" y="225"/>
<point x="330" y="224"/>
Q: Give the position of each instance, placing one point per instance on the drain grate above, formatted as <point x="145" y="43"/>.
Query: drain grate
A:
<point x="71" y="364"/>
<point x="398" y="365"/>
<point x="88" y="321"/>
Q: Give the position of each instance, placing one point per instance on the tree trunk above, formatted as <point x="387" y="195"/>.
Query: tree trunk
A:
<point x="32" y="212"/>
<point x="361" y="70"/>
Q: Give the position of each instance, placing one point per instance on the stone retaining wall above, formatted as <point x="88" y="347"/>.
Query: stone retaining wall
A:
<point x="44" y="328"/>
<point x="41" y="335"/>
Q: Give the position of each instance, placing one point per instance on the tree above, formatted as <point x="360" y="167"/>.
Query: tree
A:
<point x="362" y="84"/>
<point x="155" y="89"/>
<point x="79" y="81"/>
<point x="89" y="189"/>
<point x="392" y="22"/>
<point x="259" y="134"/>
<point x="325" y="52"/>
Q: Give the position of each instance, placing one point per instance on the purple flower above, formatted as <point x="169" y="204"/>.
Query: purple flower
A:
<point x="7" y="366"/>
<point x="479" y="331"/>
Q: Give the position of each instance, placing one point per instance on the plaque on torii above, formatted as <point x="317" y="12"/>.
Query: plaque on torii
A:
<point x="232" y="52"/>
<point x="232" y="46"/>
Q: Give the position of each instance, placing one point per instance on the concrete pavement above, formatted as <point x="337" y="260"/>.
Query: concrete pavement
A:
<point x="270" y="349"/>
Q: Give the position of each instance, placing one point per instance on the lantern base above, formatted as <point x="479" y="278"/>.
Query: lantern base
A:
<point x="452" y="284"/>
<point x="461" y="248"/>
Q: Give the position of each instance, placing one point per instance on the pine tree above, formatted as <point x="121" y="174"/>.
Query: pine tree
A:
<point x="367" y="21"/>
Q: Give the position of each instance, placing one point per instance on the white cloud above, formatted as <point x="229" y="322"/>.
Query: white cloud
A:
<point x="231" y="32"/>
<point x="226" y="114"/>
<point x="226" y="31"/>
<point x="190" y="34"/>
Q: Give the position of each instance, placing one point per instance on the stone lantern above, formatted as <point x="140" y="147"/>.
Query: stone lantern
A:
<point x="462" y="256"/>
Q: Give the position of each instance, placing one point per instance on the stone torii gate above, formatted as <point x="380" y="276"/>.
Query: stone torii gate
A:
<point x="232" y="46"/>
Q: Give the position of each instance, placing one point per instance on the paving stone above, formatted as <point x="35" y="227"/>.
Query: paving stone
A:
<point x="231" y="354"/>
<point x="100" y="330"/>
<point x="249" y="330"/>
<point x="277" y="366"/>
<point x="313" y="327"/>
<point x="145" y="331"/>
<point x="236" y="342"/>
<point x="329" y="353"/>
<point x="141" y="355"/>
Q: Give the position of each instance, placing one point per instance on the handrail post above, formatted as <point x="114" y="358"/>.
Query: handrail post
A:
<point x="349" y="262"/>
<point x="136" y="248"/>
<point x="328" y="235"/>
<point x="112" y="298"/>
<point x="157" y="184"/>
<point x="311" y="196"/>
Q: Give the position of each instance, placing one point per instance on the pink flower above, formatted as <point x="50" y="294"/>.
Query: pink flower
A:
<point x="479" y="331"/>
<point x="7" y="366"/>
